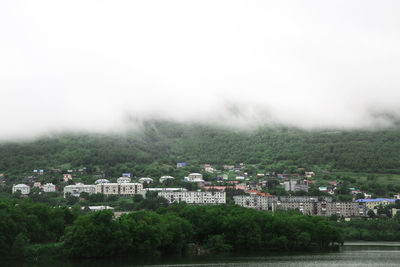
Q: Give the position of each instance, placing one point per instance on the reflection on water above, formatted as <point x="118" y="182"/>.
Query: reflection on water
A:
<point x="352" y="254"/>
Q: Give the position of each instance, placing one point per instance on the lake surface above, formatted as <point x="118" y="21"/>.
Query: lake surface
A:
<point x="352" y="254"/>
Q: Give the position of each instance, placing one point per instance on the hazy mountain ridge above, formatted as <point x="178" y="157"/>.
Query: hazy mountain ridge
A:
<point x="161" y="142"/>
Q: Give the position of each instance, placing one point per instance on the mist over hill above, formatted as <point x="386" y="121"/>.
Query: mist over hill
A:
<point x="158" y="145"/>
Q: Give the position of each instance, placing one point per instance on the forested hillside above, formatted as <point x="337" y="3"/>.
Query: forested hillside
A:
<point x="162" y="144"/>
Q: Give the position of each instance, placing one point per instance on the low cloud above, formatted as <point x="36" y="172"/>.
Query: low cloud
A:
<point x="104" y="66"/>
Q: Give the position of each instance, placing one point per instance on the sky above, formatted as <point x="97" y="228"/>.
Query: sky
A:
<point x="104" y="66"/>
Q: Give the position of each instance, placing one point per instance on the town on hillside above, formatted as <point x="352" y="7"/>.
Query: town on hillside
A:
<point x="307" y="191"/>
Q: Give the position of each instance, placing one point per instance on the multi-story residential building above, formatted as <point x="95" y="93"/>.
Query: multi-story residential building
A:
<point x="193" y="197"/>
<point x="323" y="208"/>
<point x="23" y="188"/>
<point x="252" y="201"/>
<point x="304" y="198"/>
<point x="145" y="190"/>
<point x="296" y="185"/>
<point x="374" y="202"/>
<point x="123" y="189"/>
<point x="49" y="187"/>
<point x="76" y="189"/>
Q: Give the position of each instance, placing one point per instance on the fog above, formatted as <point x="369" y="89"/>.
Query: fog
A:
<point x="104" y="66"/>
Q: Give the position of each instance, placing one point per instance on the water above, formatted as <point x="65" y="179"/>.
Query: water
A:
<point x="352" y="254"/>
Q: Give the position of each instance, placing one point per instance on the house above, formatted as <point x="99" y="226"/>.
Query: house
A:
<point x="127" y="174"/>
<point x="146" y="180"/>
<point x="67" y="177"/>
<point x="208" y="168"/>
<point x="323" y="189"/>
<point x="38" y="185"/>
<point x="23" y="188"/>
<point x="49" y="187"/>
<point x="239" y="177"/>
<point x="309" y="174"/>
<point x="334" y="183"/>
<point x="165" y="178"/>
<point x="123" y="179"/>
<point x="180" y="164"/>
<point x="194" y="176"/>
<point x="229" y="167"/>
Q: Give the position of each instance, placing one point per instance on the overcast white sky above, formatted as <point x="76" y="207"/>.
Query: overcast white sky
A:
<point x="91" y="65"/>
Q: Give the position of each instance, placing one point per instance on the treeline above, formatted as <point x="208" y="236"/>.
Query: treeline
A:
<point x="380" y="229"/>
<point x="221" y="228"/>
<point x="34" y="230"/>
<point x="155" y="150"/>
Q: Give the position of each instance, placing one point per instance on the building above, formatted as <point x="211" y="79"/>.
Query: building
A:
<point x="323" y="208"/>
<point x="180" y="164"/>
<point x="49" y="187"/>
<point x="305" y="198"/>
<point x="23" y="188"/>
<point x="145" y="190"/>
<point x="76" y="189"/>
<point x="121" y="180"/>
<point x="127" y="174"/>
<point x="165" y="178"/>
<point x="146" y="180"/>
<point x="97" y="208"/>
<point x="371" y="204"/>
<point x="229" y="167"/>
<point x="67" y="177"/>
<point x="295" y="185"/>
<point x="101" y="181"/>
<point x="193" y="197"/>
<point x="208" y="168"/>
<point x="194" y="176"/>
<point x="257" y="202"/>
<point x="121" y="189"/>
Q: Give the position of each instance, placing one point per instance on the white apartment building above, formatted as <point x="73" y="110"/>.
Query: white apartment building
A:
<point x="145" y="190"/>
<point x="193" y="197"/>
<point x="23" y="188"/>
<point x="79" y="188"/>
<point x="49" y="187"/>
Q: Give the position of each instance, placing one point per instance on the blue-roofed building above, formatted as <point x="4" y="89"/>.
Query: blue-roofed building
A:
<point x="128" y="174"/>
<point x="180" y="164"/>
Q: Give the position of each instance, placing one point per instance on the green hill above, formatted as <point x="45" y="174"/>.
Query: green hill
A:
<point x="162" y="144"/>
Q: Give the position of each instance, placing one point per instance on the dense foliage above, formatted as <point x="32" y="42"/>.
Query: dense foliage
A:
<point x="28" y="229"/>
<point x="156" y="148"/>
<point x="217" y="228"/>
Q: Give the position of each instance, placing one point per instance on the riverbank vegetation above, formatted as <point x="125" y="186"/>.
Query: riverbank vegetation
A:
<point x="32" y="230"/>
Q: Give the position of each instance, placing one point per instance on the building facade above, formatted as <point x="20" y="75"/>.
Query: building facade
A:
<point x="76" y="189"/>
<point x="23" y="188"/>
<point x="49" y="187"/>
<point x="193" y="197"/>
